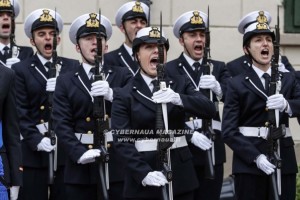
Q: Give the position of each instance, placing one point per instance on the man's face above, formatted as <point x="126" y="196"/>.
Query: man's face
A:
<point x="87" y="46"/>
<point x="131" y="27"/>
<point x="148" y="58"/>
<point x="42" y="39"/>
<point x="261" y="48"/>
<point x="5" y="25"/>
<point x="193" y="43"/>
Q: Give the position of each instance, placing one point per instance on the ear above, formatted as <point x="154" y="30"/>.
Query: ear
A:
<point x="106" y="48"/>
<point x="181" y="41"/>
<point x="58" y="40"/>
<point x="122" y="28"/>
<point x="246" y="49"/>
<point x="32" y="42"/>
<point x="77" y="48"/>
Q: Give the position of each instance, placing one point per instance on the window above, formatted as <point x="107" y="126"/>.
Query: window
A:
<point x="291" y="16"/>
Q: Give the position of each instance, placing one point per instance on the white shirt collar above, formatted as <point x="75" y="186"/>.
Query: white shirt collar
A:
<point x="191" y="61"/>
<point x="129" y="50"/>
<point x="148" y="80"/>
<point x="2" y="46"/>
<point x="42" y="59"/>
<point x="87" y="68"/>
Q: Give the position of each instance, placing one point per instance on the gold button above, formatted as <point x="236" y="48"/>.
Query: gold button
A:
<point x="89" y="132"/>
<point x="90" y="146"/>
<point x="42" y="107"/>
<point x="108" y="145"/>
<point x="88" y="119"/>
<point x="42" y="121"/>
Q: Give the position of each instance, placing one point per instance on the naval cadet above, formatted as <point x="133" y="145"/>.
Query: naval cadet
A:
<point x="246" y="119"/>
<point x="134" y="109"/>
<point x="74" y="115"/>
<point x="32" y="89"/>
<point x="130" y="17"/>
<point x="208" y="76"/>
<point x="11" y="53"/>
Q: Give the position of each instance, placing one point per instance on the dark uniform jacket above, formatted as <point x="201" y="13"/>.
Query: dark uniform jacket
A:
<point x="241" y="64"/>
<point x="11" y="151"/>
<point x="245" y="106"/>
<point x="176" y="67"/>
<point x="132" y="111"/>
<point x="73" y="113"/>
<point x="33" y="108"/>
<point x="120" y="57"/>
<point x="24" y="52"/>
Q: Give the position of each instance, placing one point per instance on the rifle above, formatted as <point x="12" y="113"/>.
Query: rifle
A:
<point x="207" y="123"/>
<point x="164" y="142"/>
<point x="50" y="134"/>
<point x="13" y="52"/>
<point x="102" y="124"/>
<point x="275" y="131"/>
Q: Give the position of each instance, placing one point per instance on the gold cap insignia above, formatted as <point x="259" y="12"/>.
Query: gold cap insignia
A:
<point x="137" y="7"/>
<point x="46" y="17"/>
<point x="262" y="21"/>
<point x="196" y="19"/>
<point x="154" y="33"/>
<point x="92" y="22"/>
<point x="5" y="3"/>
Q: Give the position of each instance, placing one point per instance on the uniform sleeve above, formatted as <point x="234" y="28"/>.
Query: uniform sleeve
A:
<point x="11" y="134"/>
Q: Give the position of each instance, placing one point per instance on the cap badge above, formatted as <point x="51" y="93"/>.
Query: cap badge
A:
<point x="262" y="21"/>
<point x="137" y="7"/>
<point x="196" y="19"/>
<point x="154" y="33"/>
<point x="92" y="22"/>
<point x="46" y="17"/>
<point x="5" y="3"/>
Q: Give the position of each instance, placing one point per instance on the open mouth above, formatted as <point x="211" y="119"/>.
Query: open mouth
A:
<point x="265" y="52"/>
<point x="5" y="26"/>
<point x="154" y="61"/>
<point x="198" y="48"/>
<point x="48" y="47"/>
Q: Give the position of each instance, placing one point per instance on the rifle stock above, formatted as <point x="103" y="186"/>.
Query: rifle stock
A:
<point x="99" y="113"/>
<point x="164" y="142"/>
<point x="275" y="131"/>
<point x="207" y="123"/>
<point x="50" y="134"/>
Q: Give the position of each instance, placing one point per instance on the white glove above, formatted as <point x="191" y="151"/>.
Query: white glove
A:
<point x="14" y="192"/>
<point x="210" y="82"/>
<point x="101" y="88"/>
<point x="276" y="101"/>
<point x="201" y="141"/>
<point x="167" y="96"/>
<point x="263" y="164"/>
<point x="11" y="61"/>
<point x="89" y="156"/>
<point x="45" y="145"/>
<point x="155" y="178"/>
<point x="281" y="66"/>
<point x="50" y="86"/>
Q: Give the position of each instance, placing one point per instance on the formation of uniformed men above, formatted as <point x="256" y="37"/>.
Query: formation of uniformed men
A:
<point x="158" y="121"/>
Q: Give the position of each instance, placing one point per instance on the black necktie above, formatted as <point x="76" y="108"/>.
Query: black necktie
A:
<point x="267" y="78"/>
<point x="6" y="52"/>
<point x="92" y="70"/>
<point x="196" y="65"/>
<point x="154" y="82"/>
<point x="48" y="65"/>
